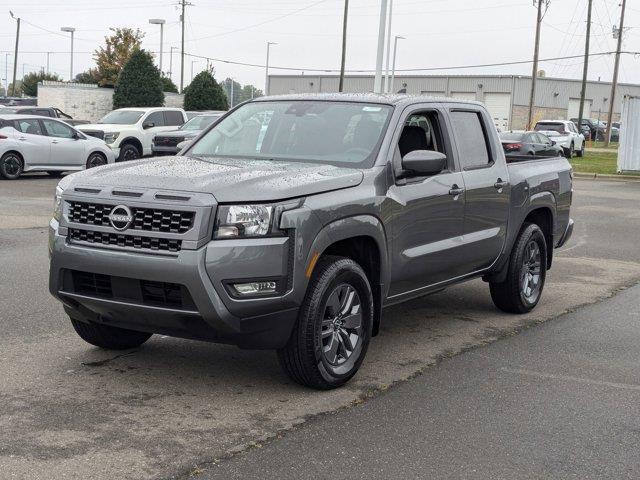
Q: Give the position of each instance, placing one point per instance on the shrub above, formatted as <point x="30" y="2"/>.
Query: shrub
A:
<point x="204" y="93"/>
<point x="139" y="84"/>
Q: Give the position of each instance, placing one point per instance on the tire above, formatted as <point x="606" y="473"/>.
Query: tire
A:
<point x="129" y="152"/>
<point x="111" y="338"/>
<point x="526" y="270"/>
<point x="11" y="166"/>
<point x="54" y="173"/>
<point x="96" y="160"/>
<point x="317" y="354"/>
<point x="580" y="153"/>
<point x="570" y="152"/>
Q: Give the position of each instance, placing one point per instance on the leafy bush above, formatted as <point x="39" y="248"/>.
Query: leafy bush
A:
<point x="30" y="82"/>
<point x="139" y="83"/>
<point x="204" y="93"/>
<point x="168" y="85"/>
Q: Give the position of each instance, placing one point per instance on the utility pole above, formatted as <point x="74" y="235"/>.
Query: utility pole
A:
<point x="344" y="45"/>
<point x="48" y="54"/>
<point x="536" y="52"/>
<point x="614" y="85"/>
<point x="583" y="91"/>
<point x="183" y="4"/>
<point x="377" y="84"/>
<point x="15" y="55"/>
<point x="386" y="75"/>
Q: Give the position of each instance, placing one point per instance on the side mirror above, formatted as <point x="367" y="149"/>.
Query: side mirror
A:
<point x="424" y="162"/>
<point x="553" y="142"/>
<point x="184" y="145"/>
<point x="147" y="125"/>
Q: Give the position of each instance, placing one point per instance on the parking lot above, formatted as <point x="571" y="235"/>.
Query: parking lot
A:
<point x="176" y="407"/>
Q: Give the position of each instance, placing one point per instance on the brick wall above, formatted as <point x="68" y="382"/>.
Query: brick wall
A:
<point x="84" y="101"/>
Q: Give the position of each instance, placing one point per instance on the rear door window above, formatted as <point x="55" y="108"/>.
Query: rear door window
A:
<point x="173" y="118"/>
<point x="471" y="139"/>
<point x="29" y="126"/>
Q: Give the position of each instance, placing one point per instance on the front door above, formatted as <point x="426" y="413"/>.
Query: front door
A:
<point x="67" y="150"/>
<point x="487" y="189"/>
<point x="427" y="217"/>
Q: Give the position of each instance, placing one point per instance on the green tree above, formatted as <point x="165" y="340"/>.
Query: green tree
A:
<point x="248" y="92"/>
<point x="204" y="93"/>
<point x="30" y="82"/>
<point x="90" y="76"/>
<point x="111" y="58"/>
<point x="168" y="85"/>
<point x="17" y="92"/>
<point x="139" y="83"/>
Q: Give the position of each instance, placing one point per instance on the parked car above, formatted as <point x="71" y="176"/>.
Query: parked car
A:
<point x="598" y="129"/>
<point x="568" y="136"/>
<point x="44" y="112"/>
<point x="529" y="143"/>
<point x="30" y="143"/>
<point x="296" y="242"/>
<point x="166" y="143"/>
<point x="129" y="131"/>
<point x="195" y="113"/>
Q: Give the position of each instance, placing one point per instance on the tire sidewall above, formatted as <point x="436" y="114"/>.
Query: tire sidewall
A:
<point x="96" y="155"/>
<point x="3" y="173"/>
<point x="346" y="273"/>
<point x="129" y="147"/>
<point x="532" y="232"/>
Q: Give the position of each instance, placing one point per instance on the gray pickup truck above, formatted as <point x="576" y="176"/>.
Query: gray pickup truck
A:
<point x="293" y="221"/>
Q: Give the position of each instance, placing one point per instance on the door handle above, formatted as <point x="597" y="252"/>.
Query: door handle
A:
<point x="54" y="141"/>
<point x="500" y="184"/>
<point x="456" y="190"/>
<point x="22" y="138"/>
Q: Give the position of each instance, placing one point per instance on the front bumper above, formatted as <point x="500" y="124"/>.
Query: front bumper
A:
<point x="163" y="150"/>
<point x="213" y="315"/>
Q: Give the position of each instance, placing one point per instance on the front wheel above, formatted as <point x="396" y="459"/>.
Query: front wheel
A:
<point x="96" y="160"/>
<point x="129" y="152"/>
<point x="10" y="166"/>
<point x="522" y="289"/>
<point x="111" y="338"/>
<point x="331" y="337"/>
<point x="570" y="152"/>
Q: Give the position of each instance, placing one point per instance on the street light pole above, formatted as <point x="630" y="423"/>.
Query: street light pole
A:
<point x="377" y="84"/>
<point x="70" y="30"/>
<point x="159" y="21"/>
<point x="266" y="82"/>
<point x="171" y="61"/>
<point x="386" y="76"/>
<point x="393" y="70"/>
<point x="15" y="55"/>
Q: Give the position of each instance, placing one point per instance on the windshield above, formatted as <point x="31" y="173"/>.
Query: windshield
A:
<point x="199" y="123"/>
<point x="122" y="117"/>
<point x="512" y="136"/>
<point x="337" y="133"/>
<point x="550" y="127"/>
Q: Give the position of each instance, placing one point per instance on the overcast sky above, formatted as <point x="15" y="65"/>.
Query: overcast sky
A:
<point x="439" y="33"/>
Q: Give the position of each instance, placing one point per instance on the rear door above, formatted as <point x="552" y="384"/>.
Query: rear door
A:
<point x="33" y="144"/>
<point x="486" y="187"/>
<point x="66" y="149"/>
<point x="428" y="218"/>
<point x="159" y="125"/>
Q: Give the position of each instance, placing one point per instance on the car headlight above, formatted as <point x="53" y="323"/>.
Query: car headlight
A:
<point x="111" y="137"/>
<point x="57" y="204"/>
<point x="239" y="221"/>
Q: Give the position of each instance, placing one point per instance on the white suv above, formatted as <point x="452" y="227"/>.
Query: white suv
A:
<point x="129" y="131"/>
<point x="564" y="134"/>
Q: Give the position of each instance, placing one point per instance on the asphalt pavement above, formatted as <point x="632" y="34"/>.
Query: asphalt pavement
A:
<point x="558" y="401"/>
<point x="172" y="407"/>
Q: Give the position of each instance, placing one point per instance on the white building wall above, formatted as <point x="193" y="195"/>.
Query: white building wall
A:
<point x="86" y="102"/>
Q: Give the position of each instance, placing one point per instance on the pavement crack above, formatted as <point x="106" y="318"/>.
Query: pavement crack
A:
<point x="102" y="363"/>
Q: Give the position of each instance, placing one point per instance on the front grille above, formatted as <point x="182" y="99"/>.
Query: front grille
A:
<point x="92" y="284"/>
<point x="146" y="219"/>
<point x="167" y="141"/>
<point x="121" y="240"/>
<point x="144" y="292"/>
<point x="94" y="133"/>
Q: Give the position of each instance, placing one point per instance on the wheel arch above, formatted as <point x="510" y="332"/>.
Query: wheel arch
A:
<point x="132" y="141"/>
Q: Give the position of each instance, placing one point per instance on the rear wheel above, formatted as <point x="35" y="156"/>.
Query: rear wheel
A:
<point x="331" y="336"/>
<point x="570" y="151"/>
<point x="129" y="152"/>
<point x="522" y="288"/>
<point x="96" y="159"/>
<point x="111" y="338"/>
<point x="11" y="166"/>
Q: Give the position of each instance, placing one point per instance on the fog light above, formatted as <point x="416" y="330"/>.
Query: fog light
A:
<point x="255" y="288"/>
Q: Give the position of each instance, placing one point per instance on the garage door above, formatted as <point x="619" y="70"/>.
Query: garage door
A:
<point x="499" y="106"/>
<point x="464" y="95"/>
<point x="574" y="108"/>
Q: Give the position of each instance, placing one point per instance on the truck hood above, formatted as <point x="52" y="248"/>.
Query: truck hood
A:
<point x="227" y="179"/>
<point x="104" y="127"/>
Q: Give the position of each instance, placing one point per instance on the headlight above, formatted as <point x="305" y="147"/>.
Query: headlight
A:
<point x="111" y="137"/>
<point x="238" y="221"/>
<point x="57" y="204"/>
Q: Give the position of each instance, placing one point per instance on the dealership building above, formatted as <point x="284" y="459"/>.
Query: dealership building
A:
<point x="506" y="97"/>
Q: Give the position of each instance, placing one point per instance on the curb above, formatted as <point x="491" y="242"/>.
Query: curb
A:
<point x="602" y="176"/>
